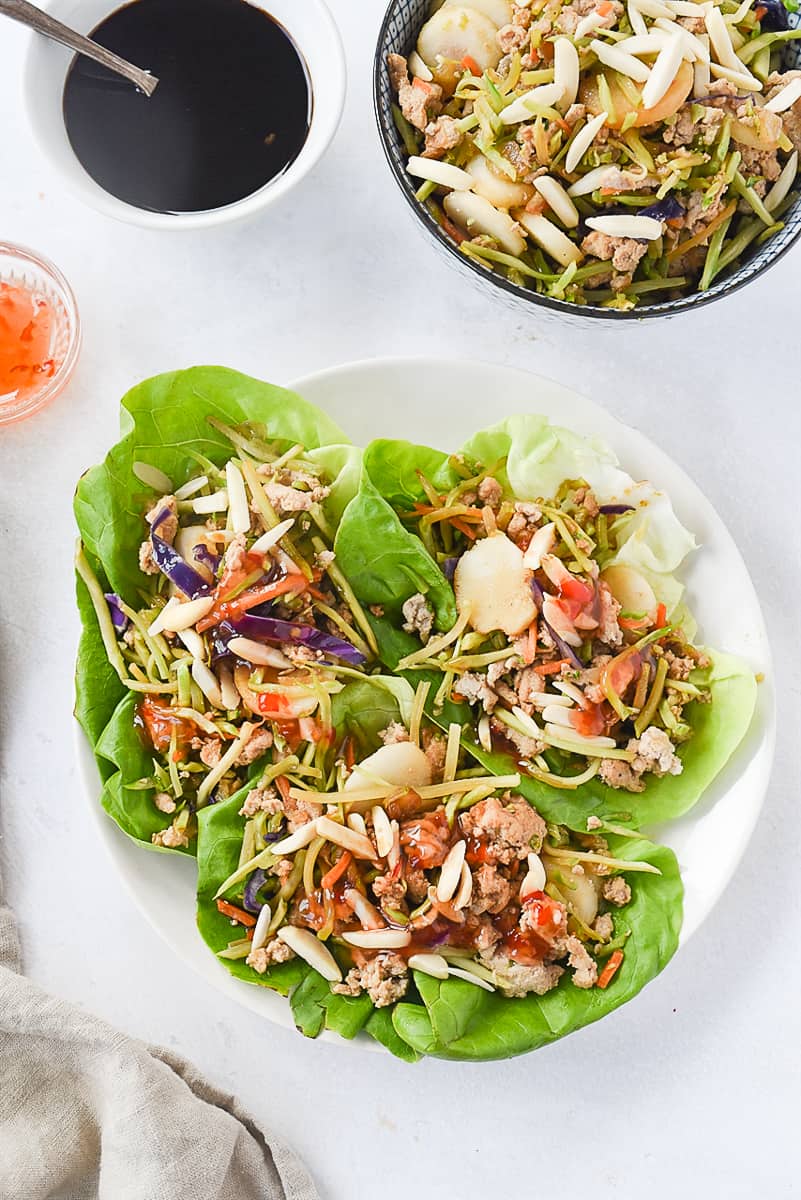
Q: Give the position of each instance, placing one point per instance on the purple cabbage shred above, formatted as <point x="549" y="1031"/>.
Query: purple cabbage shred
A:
<point x="118" y="617"/>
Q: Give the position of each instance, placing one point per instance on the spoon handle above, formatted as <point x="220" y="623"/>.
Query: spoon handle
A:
<point x="42" y="22"/>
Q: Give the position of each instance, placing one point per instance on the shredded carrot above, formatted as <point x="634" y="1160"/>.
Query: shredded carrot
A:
<point x="453" y="231"/>
<point x="704" y="233"/>
<point x="551" y="668"/>
<point x="530" y="644"/>
<point x="459" y="523"/>
<point x="470" y="64"/>
<point x="611" y="969"/>
<point x="236" y="914"/>
<point x="661" y="616"/>
<point x="608" y="191"/>
<point x="283" y="785"/>
<point x="604" y="9"/>
<point x="760" y="11"/>
<point x="427" y="510"/>
<point x="231" y="609"/>
<point x="318" y="595"/>
<point x="631" y="623"/>
<point x="546" y="51"/>
<point x="337" y="871"/>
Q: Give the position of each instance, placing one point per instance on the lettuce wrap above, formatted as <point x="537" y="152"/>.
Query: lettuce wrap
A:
<point x="389" y="556"/>
<point x="175" y="426"/>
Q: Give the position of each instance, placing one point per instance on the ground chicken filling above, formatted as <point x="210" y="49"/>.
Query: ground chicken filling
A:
<point x="474" y="885"/>
<point x="601" y="153"/>
<point x="569" y="661"/>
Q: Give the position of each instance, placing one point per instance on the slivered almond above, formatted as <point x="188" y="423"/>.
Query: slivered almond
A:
<point x="646" y="228"/>
<point x="450" y="872"/>
<point x="356" y="822"/>
<point x="569" y="692"/>
<point x="382" y="828"/>
<point x="465" y="888"/>
<point x="301" y="837"/>
<point x="230" y="696"/>
<point x="152" y="477"/>
<point x="393" y="856"/>
<point x="195" y="645"/>
<point x="272" y="537"/>
<point x="216" y="502"/>
<point x="441" y="173"/>
<point x="558" y="714"/>
<point x="550" y="237"/>
<point x="190" y="487"/>
<point x="207" y="681"/>
<point x="559" y="621"/>
<point x="348" y="839"/>
<point x="157" y="624"/>
<point x="430" y="964"/>
<point x="563" y="207"/>
<point x="469" y="977"/>
<point x="484" y="734"/>
<point x="418" y="68"/>
<point x="378" y="939"/>
<point x="783" y="184"/>
<point x="786" y="98"/>
<point x="587" y="24"/>
<point x="257" y="652"/>
<point x="740" y="78"/>
<point x="543" y="700"/>
<point x="663" y="73"/>
<point x="697" y="48"/>
<point x="522" y="109"/>
<point x="262" y="925"/>
<point x="653" y="8"/>
<point x="535" y="878"/>
<point x="721" y="42"/>
<point x="636" y="19"/>
<point x="367" y="913"/>
<point x="237" y="499"/>
<point x="626" y="64"/>
<point x="566" y="72"/>
<point x="177" y="617"/>
<point x="583" y="140"/>
<point x="311" y="950"/>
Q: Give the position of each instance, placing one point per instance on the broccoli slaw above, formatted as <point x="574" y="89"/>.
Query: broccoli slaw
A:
<point x="599" y="153"/>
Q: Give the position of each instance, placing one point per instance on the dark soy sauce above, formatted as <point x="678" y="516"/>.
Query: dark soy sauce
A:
<point x="230" y="113"/>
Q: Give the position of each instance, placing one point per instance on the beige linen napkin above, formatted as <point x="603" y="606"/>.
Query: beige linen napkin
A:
<point x="87" y="1113"/>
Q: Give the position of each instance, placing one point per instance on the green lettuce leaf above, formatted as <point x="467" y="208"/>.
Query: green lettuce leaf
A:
<point x="367" y="706"/>
<point x="314" y="1006"/>
<point x="163" y="422"/>
<point x="124" y="760"/>
<point x="394" y="466"/>
<point x="718" y="729"/>
<point x="539" y="456"/>
<point x="459" y="1021"/>
<point x="98" y="689"/>
<point x="384" y="563"/>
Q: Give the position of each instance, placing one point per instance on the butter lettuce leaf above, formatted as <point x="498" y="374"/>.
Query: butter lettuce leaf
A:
<point x="456" y="1020"/>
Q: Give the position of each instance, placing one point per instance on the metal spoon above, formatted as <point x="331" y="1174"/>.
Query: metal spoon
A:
<point x="42" y="22"/>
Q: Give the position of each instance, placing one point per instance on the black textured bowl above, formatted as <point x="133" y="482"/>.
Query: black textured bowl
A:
<point x="398" y="35"/>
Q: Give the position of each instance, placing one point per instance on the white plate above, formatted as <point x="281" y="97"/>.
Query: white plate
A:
<point x="441" y="403"/>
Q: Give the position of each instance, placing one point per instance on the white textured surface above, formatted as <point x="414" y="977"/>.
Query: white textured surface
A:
<point x="693" y="1086"/>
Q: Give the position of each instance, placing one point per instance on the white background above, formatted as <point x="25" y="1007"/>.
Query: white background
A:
<point x="693" y="1086"/>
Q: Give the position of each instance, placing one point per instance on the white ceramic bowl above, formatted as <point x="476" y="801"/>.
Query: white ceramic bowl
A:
<point x="311" y="27"/>
<point x="442" y="402"/>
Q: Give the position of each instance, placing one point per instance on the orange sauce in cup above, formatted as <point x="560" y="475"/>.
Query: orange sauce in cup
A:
<point x="26" y="328"/>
